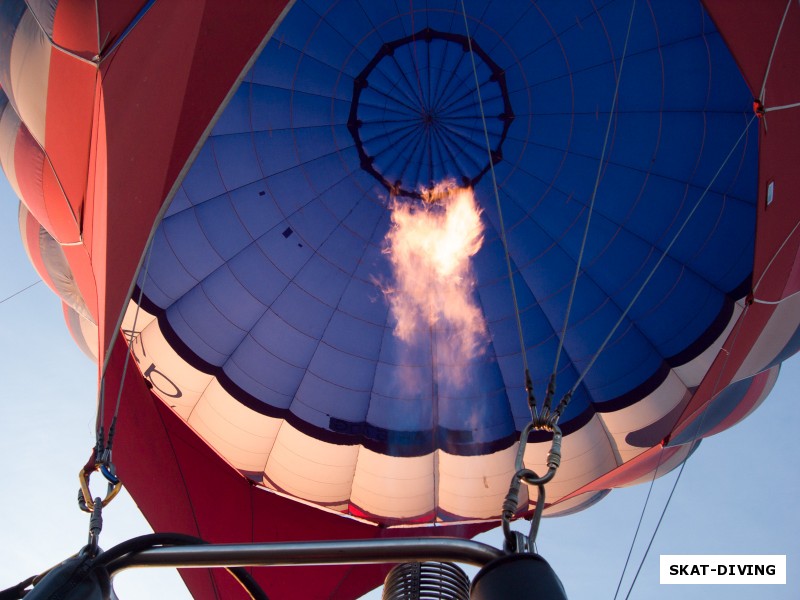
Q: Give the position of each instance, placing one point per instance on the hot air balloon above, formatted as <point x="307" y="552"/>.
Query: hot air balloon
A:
<point x="214" y="189"/>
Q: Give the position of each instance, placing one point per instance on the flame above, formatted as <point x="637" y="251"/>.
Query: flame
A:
<point x="430" y="246"/>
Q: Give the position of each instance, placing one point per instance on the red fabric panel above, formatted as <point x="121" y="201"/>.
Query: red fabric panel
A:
<point x="75" y="26"/>
<point x="40" y="189"/>
<point x="63" y="221"/>
<point x="645" y="463"/>
<point x="778" y="162"/>
<point x="96" y="197"/>
<point x="182" y="485"/>
<point x="114" y="17"/>
<point x="161" y="88"/>
<point x="735" y="350"/>
<point x="146" y="461"/>
<point x="68" y="127"/>
<point x="749" y="28"/>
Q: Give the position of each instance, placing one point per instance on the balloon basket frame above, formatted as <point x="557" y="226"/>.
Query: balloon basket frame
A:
<point x="337" y="552"/>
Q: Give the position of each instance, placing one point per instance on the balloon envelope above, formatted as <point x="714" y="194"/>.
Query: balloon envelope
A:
<point x="277" y="143"/>
<point x="267" y="320"/>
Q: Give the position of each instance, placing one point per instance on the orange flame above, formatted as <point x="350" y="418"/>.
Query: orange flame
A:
<point x="430" y="246"/>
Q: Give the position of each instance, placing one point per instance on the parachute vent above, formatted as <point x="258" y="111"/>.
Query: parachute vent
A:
<point x="426" y="581"/>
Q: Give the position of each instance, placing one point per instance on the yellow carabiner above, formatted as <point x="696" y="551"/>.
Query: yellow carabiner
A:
<point x="83" y="477"/>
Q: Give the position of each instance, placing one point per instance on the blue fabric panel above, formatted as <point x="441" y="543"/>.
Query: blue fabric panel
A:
<point x="11" y="13"/>
<point x="716" y="412"/>
<point x="223" y="227"/>
<point x="343" y="370"/>
<point x="353" y="336"/>
<point x="256" y="210"/>
<point x="303" y="311"/>
<point x="45" y="11"/>
<point x="791" y="348"/>
<point x="166" y="278"/>
<point x="236" y="117"/>
<point x="236" y="159"/>
<point x="318" y="401"/>
<point x="201" y="326"/>
<point x="281" y="338"/>
<point x="257" y="273"/>
<point x="276" y="237"/>
<point x="262" y="375"/>
<point x="179" y="202"/>
<point x="203" y="180"/>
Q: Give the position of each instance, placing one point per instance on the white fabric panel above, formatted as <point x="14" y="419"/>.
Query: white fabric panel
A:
<point x="83" y="331"/>
<point x="665" y="467"/>
<point x="240" y="434"/>
<point x="475" y="486"/>
<point x="61" y="274"/>
<point x="136" y="321"/>
<point x="30" y="69"/>
<point x="45" y="12"/>
<point x="90" y="336"/>
<point x="643" y="413"/>
<point x="9" y="126"/>
<point x="155" y="357"/>
<point x="309" y="468"/>
<point x="692" y="373"/>
<point x="569" y="505"/>
<point x="586" y="455"/>
<point x="773" y="339"/>
<point x="22" y="221"/>
<point x="394" y="487"/>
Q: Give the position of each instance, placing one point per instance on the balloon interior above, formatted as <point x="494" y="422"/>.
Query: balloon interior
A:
<point x="334" y="257"/>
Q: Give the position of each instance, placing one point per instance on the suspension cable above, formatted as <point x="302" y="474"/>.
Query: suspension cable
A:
<point x="101" y="457"/>
<point x="18" y="292"/>
<point x="503" y="238"/>
<point x="698" y="427"/>
<point x="655" y="531"/>
<point x="565" y="400"/>
<point x="772" y="53"/>
<point x="551" y="387"/>
<point x="638" y="525"/>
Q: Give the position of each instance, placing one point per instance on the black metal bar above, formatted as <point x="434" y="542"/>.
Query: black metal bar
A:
<point x="338" y="552"/>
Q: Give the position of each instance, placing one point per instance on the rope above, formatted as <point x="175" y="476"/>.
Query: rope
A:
<point x="650" y="275"/>
<point x="772" y="53"/>
<point x="698" y="428"/>
<point x="658" y="525"/>
<point x="784" y="107"/>
<point x="103" y="449"/>
<point x="50" y="39"/>
<point x="18" y="292"/>
<point x="503" y="238"/>
<point x="638" y="526"/>
<point x="551" y="389"/>
<point x="104" y="52"/>
<point x="774" y="302"/>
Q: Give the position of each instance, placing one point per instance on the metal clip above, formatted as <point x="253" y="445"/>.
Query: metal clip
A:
<point x="553" y="457"/>
<point x="516" y="541"/>
<point x="85" y="500"/>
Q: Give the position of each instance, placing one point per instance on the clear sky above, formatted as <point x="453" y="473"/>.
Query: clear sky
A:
<point x="737" y="495"/>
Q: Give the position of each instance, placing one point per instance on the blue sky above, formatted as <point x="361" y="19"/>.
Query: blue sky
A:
<point x="737" y="494"/>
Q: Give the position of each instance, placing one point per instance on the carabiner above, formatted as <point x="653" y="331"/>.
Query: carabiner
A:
<point x="113" y="488"/>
